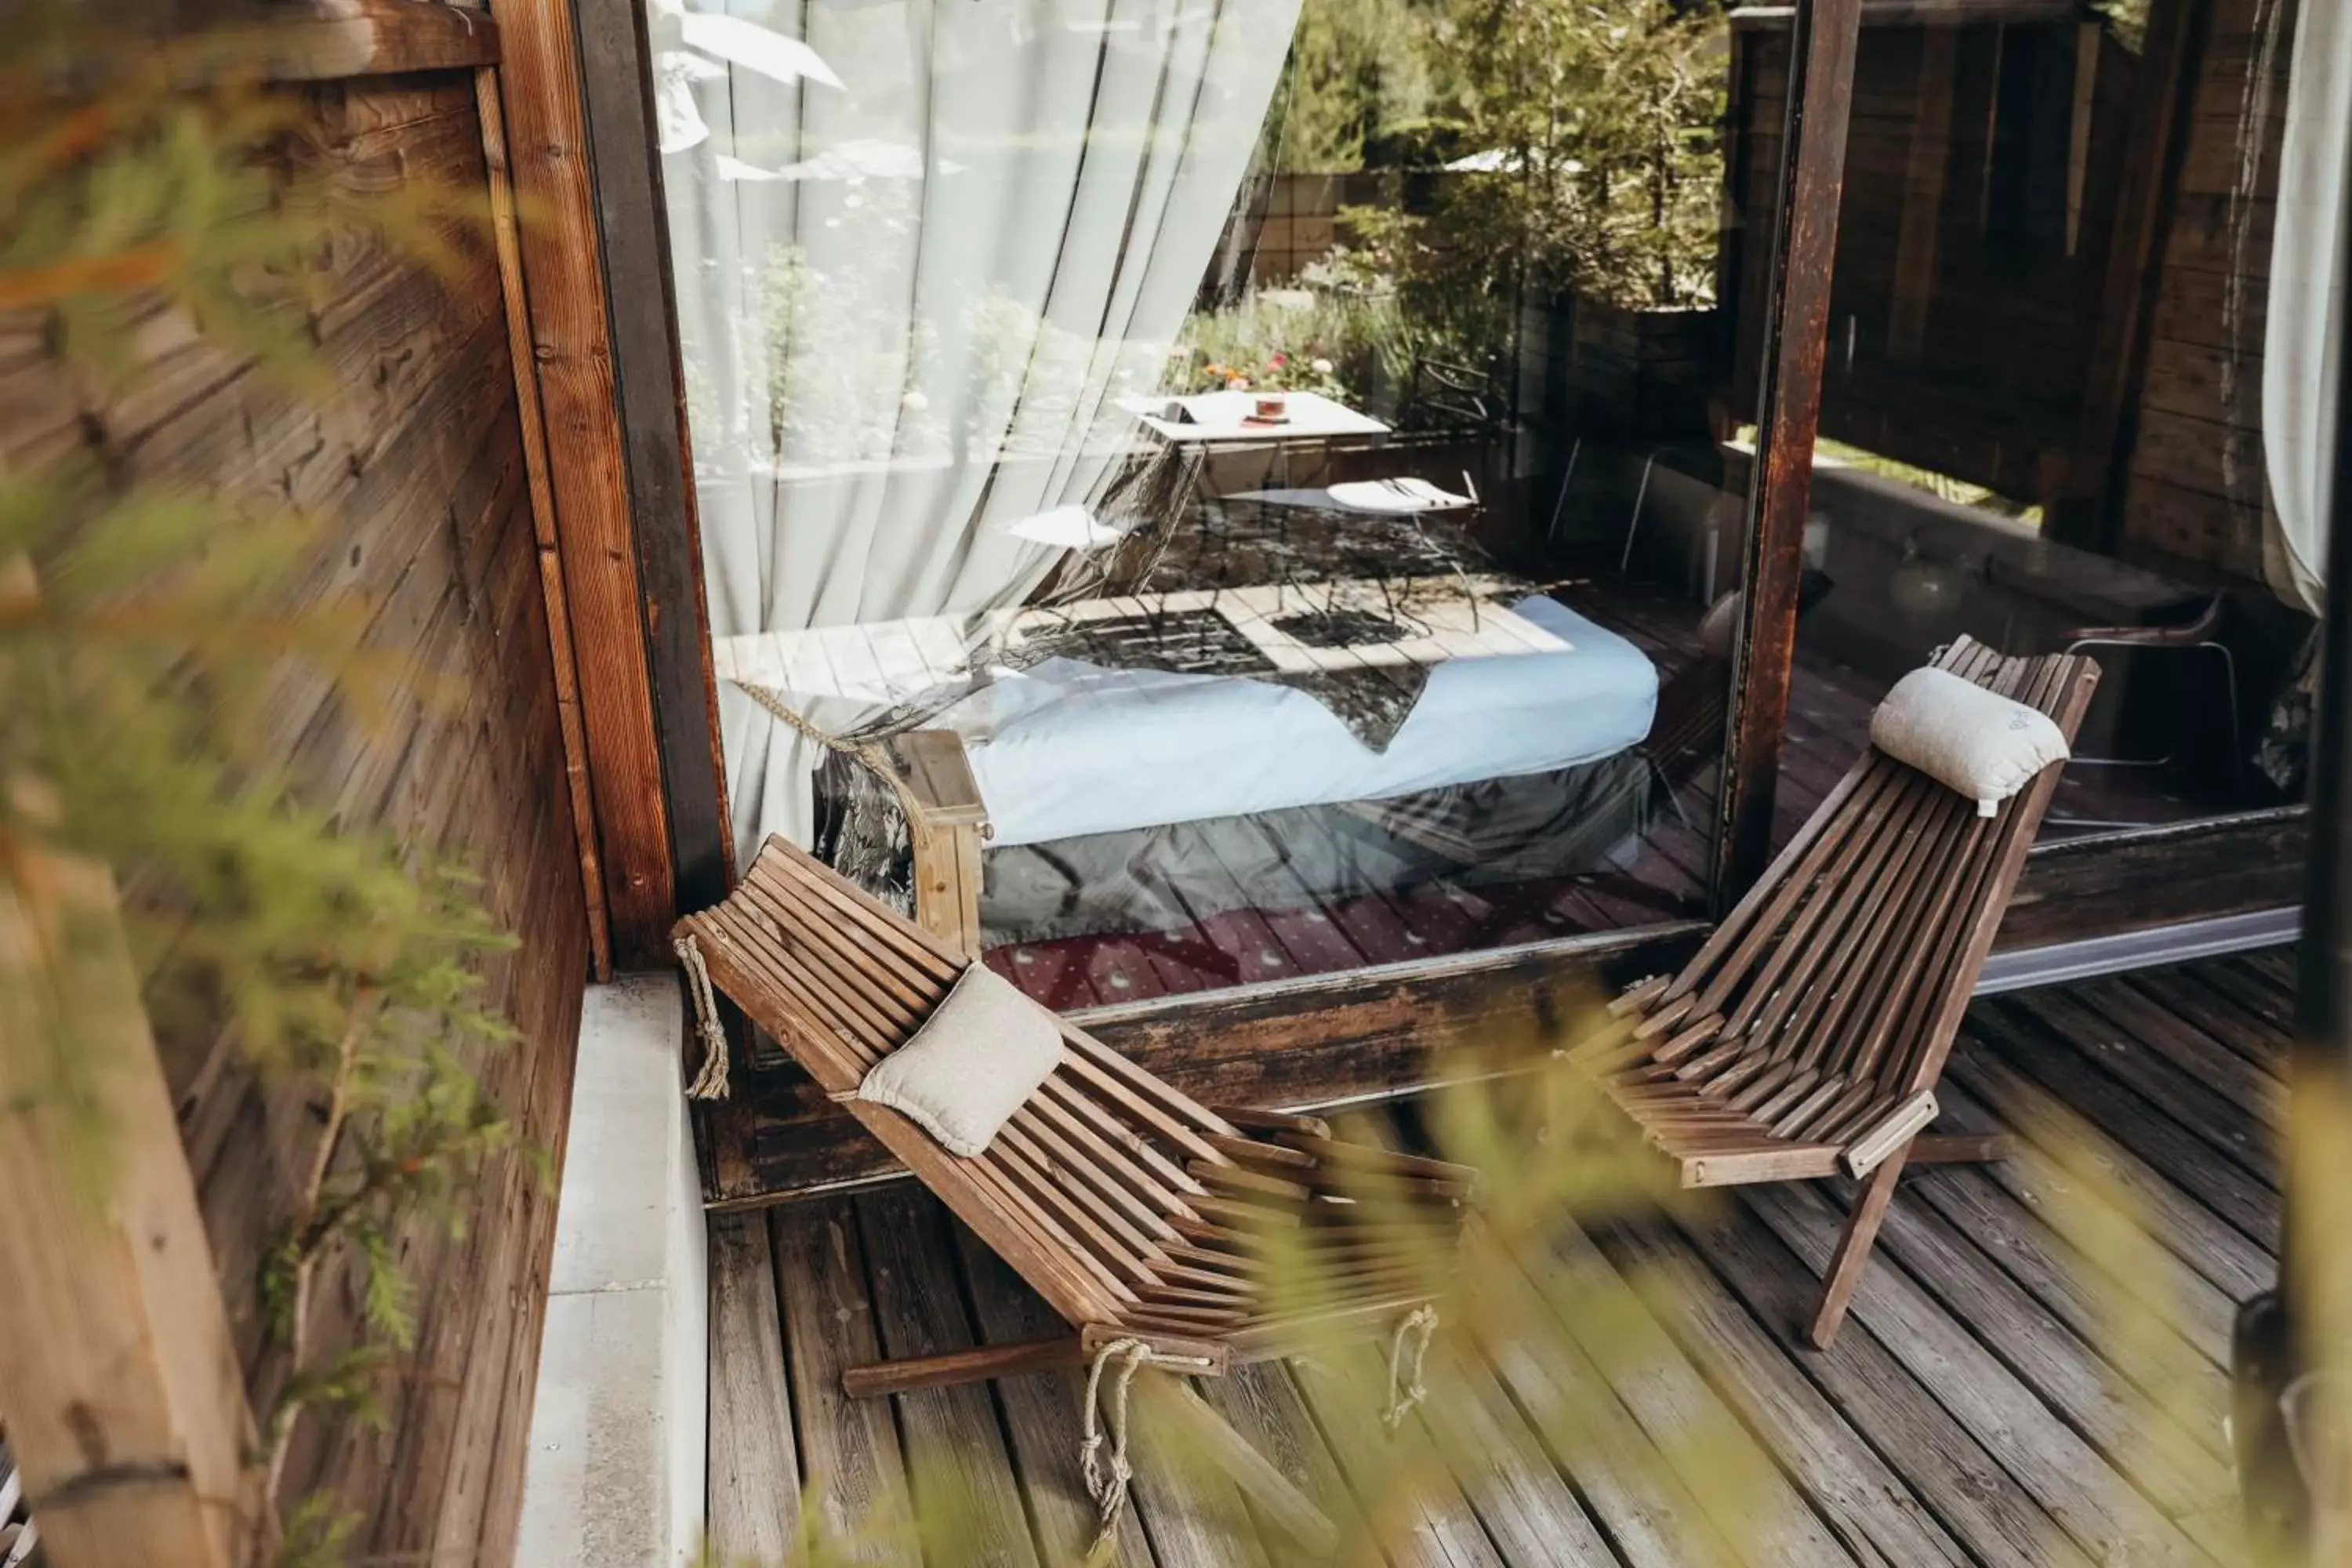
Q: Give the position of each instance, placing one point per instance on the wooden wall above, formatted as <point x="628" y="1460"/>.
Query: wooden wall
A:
<point x="2193" y="485"/>
<point x="2003" y="376"/>
<point x="1969" y="248"/>
<point x="416" y="468"/>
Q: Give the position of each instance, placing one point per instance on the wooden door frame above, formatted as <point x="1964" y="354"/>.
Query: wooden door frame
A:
<point x="576" y="86"/>
<point x="649" y="380"/>
<point x="1825" y="35"/>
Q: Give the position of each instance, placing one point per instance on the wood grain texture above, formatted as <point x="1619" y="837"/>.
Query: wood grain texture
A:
<point x="648" y="380"/>
<point x="572" y="335"/>
<point x="416" y="468"/>
<point x="346" y="38"/>
<point x="855" y="1477"/>
<point x="755" y="1478"/>
<point x="2190" y="451"/>
<point x="127" y="1414"/>
<point x="506" y="228"/>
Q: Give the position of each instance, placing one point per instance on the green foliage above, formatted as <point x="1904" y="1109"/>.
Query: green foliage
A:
<point x="316" y="1534"/>
<point x="2128" y="19"/>
<point x="155" y="634"/>
<point x="1330" y="335"/>
<point x="1358" y="78"/>
<point x="1578" y="138"/>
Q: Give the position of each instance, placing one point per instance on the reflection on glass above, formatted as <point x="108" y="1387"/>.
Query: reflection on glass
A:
<point x="1270" y="452"/>
<point x="2074" y="395"/>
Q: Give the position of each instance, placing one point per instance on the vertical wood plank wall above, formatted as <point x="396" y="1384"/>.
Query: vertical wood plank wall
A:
<point x="2189" y="439"/>
<point x="2193" y="487"/>
<point x="418" y="468"/>
<point x="1959" y="333"/>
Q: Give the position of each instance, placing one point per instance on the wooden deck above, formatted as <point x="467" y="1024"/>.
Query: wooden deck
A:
<point x="1981" y="1407"/>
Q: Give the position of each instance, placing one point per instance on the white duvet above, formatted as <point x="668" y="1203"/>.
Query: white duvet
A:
<point x="1069" y="748"/>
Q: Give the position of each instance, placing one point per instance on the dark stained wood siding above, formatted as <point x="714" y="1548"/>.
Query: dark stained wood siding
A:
<point x="1961" y="323"/>
<point x="415" y="470"/>
<point x="2194" y="476"/>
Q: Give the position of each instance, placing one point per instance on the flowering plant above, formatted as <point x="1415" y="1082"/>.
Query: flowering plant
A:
<point x="1307" y="339"/>
<point x="1280" y="371"/>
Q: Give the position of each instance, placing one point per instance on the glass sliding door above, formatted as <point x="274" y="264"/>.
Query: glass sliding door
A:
<point x="1283" y="452"/>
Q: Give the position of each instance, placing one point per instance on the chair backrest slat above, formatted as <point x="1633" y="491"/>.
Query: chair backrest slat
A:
<point x="1895" y="867"/>
<point x="1851" y="960"/>
<point x="781" y="860"/>
<point x="1974" y="882"/>
<point x="1825" y="904"/>
<point x="879" y="1021"/>
<point x="850" y="948"/>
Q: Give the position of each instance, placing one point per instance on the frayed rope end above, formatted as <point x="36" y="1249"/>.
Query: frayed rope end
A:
<point x="710" y="1083"/>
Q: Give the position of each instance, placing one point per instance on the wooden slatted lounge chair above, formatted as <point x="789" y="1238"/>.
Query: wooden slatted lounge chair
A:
<point x="1807" y="1036"/>
<point x="1133" y="1210"/>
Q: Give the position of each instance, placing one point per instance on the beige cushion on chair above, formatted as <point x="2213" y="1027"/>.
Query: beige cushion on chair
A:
<point x="1960" y="734"/>
<point x="974" y="1061"/>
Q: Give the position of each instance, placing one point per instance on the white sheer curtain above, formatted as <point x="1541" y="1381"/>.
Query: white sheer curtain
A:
<point x="2305" y="318"/>
<point x="920" y="248"/>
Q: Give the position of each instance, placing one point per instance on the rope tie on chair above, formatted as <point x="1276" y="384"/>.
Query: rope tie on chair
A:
<point x="1106" y="1483"/>
<point x="710" y="1083"/>
<point x="875" y="760"/>
<point x="1408" y="1349"/>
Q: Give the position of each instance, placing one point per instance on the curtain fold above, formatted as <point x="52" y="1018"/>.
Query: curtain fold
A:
<point x="2304" y="323"/>
<point x="908" y="303"/>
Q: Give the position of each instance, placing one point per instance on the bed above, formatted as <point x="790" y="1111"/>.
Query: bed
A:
<point x="1069" y="749"/>
<point x="1142" y="761"/>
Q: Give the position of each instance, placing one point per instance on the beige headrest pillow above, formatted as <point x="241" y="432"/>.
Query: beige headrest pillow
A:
<point x="1971" y="739"/>
<point x="974" y="1061"/>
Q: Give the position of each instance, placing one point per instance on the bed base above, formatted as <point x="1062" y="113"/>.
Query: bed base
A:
<point x="948" y="823"/>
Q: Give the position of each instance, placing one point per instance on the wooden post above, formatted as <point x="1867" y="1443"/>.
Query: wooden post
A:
<point x="1821" y="47"/>
<point x="120" y="1384"/>
<point x="571" y="347"/>
<point x="649" y="379"/>
<point x="508" y="234"/>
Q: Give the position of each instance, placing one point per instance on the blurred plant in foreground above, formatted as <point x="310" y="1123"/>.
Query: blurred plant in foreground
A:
<point x="160" y="638"/>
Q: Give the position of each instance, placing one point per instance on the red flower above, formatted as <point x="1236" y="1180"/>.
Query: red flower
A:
<point x="1278" y="360"/>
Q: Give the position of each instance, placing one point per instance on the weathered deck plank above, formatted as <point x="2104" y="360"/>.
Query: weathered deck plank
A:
<point x="1041" y="1414"/>
<point x="1871" y="1507"/>
<point x="854" y="1475"/>
<point x="755" y="1476"/>
<point x="957" y="1463"/>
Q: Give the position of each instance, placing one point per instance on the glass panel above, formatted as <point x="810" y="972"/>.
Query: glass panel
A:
<point x="2074" y="391"/>
<point x="1282" y="442"/>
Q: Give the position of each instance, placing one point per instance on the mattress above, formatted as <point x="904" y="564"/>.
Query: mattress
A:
<point x="1068" y="748"/>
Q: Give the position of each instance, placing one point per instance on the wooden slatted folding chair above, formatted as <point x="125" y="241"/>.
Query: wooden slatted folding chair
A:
<point x="1138" y="1213"/>
<point x="1807" y="1036"/>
